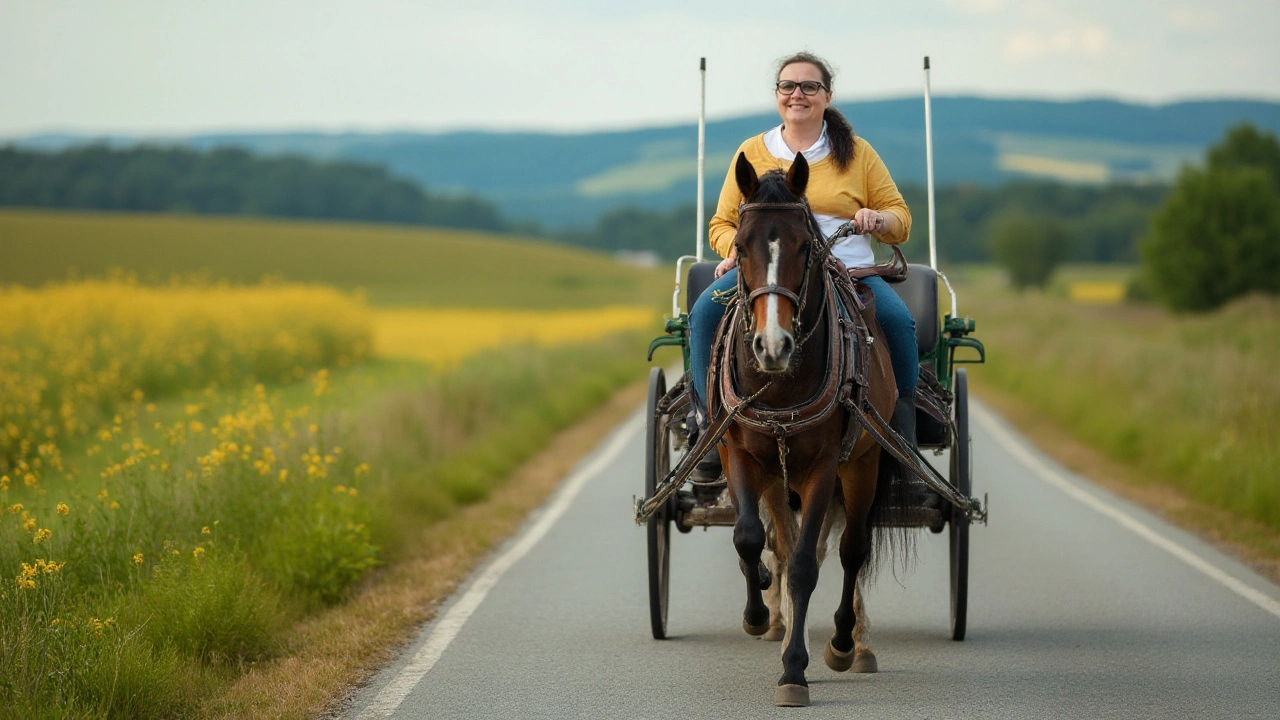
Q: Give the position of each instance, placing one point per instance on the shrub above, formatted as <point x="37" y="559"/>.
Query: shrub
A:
<point x="1029" y="247"/>
<point x="1217" y="237"/>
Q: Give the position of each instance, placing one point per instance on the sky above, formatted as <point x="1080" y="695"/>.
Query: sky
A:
<point x="167" y="67"/>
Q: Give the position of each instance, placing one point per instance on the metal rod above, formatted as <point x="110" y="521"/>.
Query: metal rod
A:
<point x="928" y="154"/>
<point x="702" y="156"/>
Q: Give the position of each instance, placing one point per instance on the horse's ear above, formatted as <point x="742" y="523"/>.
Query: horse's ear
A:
<point x="748" y="181"/>
<point x="798" y="176"/>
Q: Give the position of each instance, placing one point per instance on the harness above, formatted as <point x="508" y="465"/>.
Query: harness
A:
<point x="847" y="351"/>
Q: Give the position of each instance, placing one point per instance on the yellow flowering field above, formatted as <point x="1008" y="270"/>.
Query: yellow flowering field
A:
<point x="444" y="336"/>
<point x="71" y="352"/>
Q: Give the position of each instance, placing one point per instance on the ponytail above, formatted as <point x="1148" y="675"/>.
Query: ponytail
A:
<point x="840" y="136"/>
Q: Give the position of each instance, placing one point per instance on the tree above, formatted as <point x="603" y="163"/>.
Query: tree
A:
<point x="1218" y="234"/>
<point x="1029" y="247"/>
<point x="1246" y="146"/>
<point x="1217" y="237"/>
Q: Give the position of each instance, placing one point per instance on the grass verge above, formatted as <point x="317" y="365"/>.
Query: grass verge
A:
<point x="341" y="647"/>
<point x="1177" y="412"/>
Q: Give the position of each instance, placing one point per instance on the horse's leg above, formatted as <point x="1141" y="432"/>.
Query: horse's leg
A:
<point x="749" y="539"/>
<point x="864" y="660"/>
<point x="802" y="578"/>
<point x="782" y="539"/>
<point x="847" y="647"/>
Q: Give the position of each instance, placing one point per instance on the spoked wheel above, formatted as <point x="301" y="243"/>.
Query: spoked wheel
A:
<point x="962" y="480"/>
<point x="657" y="464"/>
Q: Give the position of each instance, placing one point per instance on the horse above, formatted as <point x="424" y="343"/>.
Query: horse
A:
<point x="796" y="471"/>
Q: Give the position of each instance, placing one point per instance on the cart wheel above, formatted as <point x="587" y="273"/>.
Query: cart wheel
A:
<point x="962" y="480"/>
<point x="657" y="464"/>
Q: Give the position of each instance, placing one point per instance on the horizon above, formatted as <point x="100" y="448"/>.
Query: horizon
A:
<point x="109" y="135"/>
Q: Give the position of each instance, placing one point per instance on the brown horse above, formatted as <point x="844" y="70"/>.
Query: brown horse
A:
<point x="783" y="460"/>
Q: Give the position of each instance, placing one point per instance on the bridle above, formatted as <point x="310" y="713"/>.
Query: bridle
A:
<point x="816" y="249"/>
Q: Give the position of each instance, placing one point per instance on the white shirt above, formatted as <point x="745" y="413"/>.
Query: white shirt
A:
<point x="855" y="250"/>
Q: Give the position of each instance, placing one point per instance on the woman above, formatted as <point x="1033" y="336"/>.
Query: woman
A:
<point x="847" y="182"/>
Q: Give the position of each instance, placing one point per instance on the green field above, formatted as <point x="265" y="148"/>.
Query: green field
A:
<point x="1189" y="402"/>
<point x="393" y="265"/>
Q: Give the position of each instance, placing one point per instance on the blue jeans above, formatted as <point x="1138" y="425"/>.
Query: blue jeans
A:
<point x="892" y="314"/>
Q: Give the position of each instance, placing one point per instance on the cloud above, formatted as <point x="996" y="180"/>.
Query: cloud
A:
<point x="1185" y="17"/>
<point x="976" y="7"/>
<point x="1090" y="41"/>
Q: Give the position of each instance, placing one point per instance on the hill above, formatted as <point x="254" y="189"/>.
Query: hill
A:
<point x="226" y="181"/>
<point x="563" y="180"/>
<point x="395" y="266"/>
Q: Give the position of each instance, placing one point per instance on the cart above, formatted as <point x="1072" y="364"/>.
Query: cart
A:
<point x="945" y="343"/>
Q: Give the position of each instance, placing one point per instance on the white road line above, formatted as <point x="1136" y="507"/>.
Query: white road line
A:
<point x="1056" y="479"/>
<point x="448" y="626"/>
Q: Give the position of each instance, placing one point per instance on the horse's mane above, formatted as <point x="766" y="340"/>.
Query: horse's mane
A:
<point x="773" y="188"/>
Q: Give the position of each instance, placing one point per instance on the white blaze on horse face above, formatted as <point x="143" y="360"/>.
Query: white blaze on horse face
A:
<point x="773" y="334"/>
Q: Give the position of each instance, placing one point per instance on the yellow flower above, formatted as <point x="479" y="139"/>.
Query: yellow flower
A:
<point x="284" y="475"/>
<point x="351" y="492"/>
<point x="102" y="494"/>
<point x="205" y="530"/>
<point x="115" y="505"/>
<point x="198" y="553"/>
<point x="30" y="480"/>
<point x="137" y="559"/>
<point x="29" y="525"/>
<point x="63" y="509"/>
<point x="15" y="508"/>
<point x="362" y="469"/>
<point x="27" y="584"/>
<point x="42" y="535"/>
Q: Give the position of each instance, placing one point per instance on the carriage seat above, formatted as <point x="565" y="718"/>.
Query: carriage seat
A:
<point x="701" y="275"/>
<point x="920" y="292"/>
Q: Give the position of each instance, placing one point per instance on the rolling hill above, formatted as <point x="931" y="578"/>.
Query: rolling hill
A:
<point x="562" y="180"/>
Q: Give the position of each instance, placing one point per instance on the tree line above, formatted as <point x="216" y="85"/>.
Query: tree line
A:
<point x="228" y="181"/>
<point x="1097" y="224"/>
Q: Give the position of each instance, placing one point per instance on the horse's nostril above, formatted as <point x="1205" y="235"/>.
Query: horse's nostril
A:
<point x="759" y="344"/>
<point x="787" y="345"/>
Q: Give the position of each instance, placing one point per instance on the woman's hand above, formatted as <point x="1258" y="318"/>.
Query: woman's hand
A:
<point x="727" y="264"/>
<point x="870" y="222"/>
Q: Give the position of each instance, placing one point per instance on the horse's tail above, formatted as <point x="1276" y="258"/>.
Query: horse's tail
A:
<point x="892" y="534"/>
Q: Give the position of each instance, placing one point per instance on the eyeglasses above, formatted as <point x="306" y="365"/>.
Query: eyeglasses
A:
<point x="808" y="87"/>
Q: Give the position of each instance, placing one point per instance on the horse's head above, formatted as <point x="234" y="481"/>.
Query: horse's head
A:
<point x="773" y="245"/>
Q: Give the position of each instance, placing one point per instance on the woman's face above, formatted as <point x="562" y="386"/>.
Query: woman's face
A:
<point x="797" y="108"/>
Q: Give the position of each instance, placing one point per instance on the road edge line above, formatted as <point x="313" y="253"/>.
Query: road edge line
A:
<point x="390" y="697"/>
<point x="1011" y="445"/>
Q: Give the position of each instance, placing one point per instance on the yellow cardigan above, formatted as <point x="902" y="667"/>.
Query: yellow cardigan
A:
<point x="864" y="183"/>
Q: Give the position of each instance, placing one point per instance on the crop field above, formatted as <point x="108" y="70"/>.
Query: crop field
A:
<point x="391" y="265"/>
<point x="444" y="337"/>
<point x="192" y="467"/>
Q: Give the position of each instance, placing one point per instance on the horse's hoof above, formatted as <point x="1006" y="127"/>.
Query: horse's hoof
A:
<point x="865" y="662"/>
<point x="776" y="634"/>
<point x="839" y="661"/>
<point x="754" y="630"/>
<point x="791" y="696"/>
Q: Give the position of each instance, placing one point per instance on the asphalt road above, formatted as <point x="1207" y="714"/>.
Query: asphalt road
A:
<point x="1081" y="606"/>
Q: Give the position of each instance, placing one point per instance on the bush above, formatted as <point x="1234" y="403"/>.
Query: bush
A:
<point x="1029" y="247"/>
<point x="1217" y="237"/>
